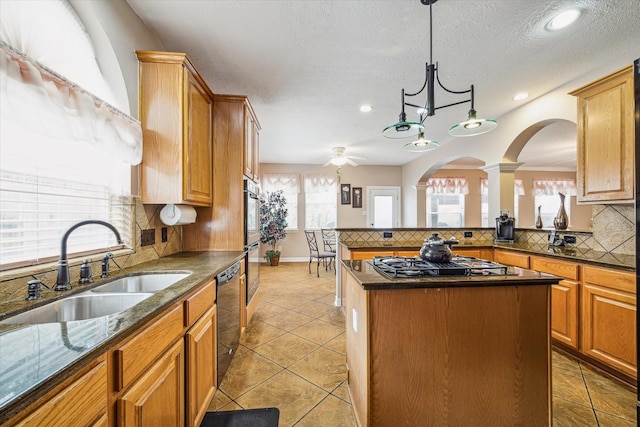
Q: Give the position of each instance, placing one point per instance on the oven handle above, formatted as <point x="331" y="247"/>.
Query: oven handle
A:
<point x="252" y="246"/>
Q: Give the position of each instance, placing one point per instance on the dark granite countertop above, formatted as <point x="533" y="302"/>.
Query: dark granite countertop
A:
<point x="605" y="259"/>
<point x="371" y="280"/>
<point x="35" y="358"/>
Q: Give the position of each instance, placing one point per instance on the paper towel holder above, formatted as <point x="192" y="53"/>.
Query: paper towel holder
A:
<point x="172" y="214"/>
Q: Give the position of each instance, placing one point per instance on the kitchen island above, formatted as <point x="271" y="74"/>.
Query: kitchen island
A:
<point x="471" y="350"/>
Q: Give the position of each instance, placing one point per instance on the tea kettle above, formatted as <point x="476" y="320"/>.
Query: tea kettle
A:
<point x="436" y="249"/>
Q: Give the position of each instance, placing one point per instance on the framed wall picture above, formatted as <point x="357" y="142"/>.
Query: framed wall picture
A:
<point x="357" y="197"/>
<point x="345" y="194"/>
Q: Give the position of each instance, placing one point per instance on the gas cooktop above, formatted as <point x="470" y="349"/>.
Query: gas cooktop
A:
<point x="395" y="267"/>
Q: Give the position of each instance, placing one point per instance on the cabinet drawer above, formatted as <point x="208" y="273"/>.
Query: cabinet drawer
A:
<point x="83" y="402"/>
<point x="137" y="354"/>
<point x="568" y="270"/>
<point x="614" y="279"/>
<point x="511" y="258"/>
<point x="197" y="304"/>
<point x="356" y="254"/>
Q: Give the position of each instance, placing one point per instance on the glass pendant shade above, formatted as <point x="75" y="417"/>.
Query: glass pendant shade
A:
<point x="421" y="144"/>
<point x="402" y="130"/>
<point x="473" y="126"/>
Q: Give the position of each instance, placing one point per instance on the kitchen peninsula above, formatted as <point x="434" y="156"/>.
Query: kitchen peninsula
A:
<point x="468" y="350"/>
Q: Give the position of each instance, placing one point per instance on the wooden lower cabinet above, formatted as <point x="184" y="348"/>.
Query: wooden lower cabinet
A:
<point x="79" y="402"/>
<point x="609" y="330"/>
<point x="157" y="398"/>
<point x="564" y="298"/>
<point x="511" y="258"/>
<point x="201" y="375"/>
<point x="475" y="356"/>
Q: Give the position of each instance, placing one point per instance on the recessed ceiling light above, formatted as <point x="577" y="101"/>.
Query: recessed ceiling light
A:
<point x="520" y="96"/>
<point x="366" y="108"/>
<point x="563" y="19"/>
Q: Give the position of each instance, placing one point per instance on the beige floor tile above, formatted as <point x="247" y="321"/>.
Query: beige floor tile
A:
<point x="335" y="316"/>
<point x="313" y="308"/>
<point x="286" y="349"/>
<point x="289" y="320"/>
<point x="292" y="395"/>
<point x="607" y="420"/>
<point x="324" y="368"/>
<point x="609" y="396"/>
<point x="342" y="392"/>
<point x="570" y="414"/>
<point x="562" y="361"/>
<point x="330" y="412"/>
<point x="318" y="331"/>
<point x="219" y="400"/>
<point x="231" y="406"/>
<point x="569" y="386"/>
<point x="258" y="333"/>
<point x="246" y="371"/>
<point x="338" y="344"/>
<point x="266" y="310"/>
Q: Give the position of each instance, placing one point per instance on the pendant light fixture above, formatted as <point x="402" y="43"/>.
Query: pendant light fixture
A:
<point x="408" y="129"/>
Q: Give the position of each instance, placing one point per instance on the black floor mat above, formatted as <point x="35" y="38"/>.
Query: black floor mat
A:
<point x="266" y="417"/>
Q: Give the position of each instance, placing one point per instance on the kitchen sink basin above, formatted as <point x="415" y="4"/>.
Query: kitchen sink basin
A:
<point x="79" y="307"/>
<point x="149" y="283"/>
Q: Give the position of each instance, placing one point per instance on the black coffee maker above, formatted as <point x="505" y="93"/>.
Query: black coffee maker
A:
<point x="504" y="227"/>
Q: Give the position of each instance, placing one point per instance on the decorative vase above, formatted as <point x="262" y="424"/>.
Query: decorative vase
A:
<point x="561" y="221"/>
<point x="274" y="260"/>
<point x="539" y="218"/>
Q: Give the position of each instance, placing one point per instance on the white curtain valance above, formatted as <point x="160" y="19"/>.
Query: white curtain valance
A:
<point x="40" y="100"/>
<point x="518" y="186"/>
<point x="550" y="187"/>
<point x="320" y="183"/>
<point x="447" y="185"/>
<point x="289" y="182"/>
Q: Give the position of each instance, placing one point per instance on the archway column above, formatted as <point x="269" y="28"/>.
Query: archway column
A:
<point x="501" y="177"/>
<point x="421" y="204"/>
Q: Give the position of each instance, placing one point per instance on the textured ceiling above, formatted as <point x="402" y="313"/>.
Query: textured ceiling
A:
<point x="308" y="65"/>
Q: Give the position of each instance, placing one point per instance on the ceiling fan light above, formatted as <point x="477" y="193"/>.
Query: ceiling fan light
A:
<point x="402" y="130"/>
<point x="339" y="161"/>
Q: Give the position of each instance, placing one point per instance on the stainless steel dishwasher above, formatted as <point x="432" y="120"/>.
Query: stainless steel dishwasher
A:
<point x="228" y="308"/>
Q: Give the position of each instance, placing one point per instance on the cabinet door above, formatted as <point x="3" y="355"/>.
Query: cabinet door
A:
<point x="564" y="312"/>
<point x="84" y="402"/>
<point x="609" y="327"/>
<point x="605" y="167"/>
<point x="248" y="143"/>
<point x="157" y="398"/>
<point x="197" y="182"/>
<point x="201" y="373"/>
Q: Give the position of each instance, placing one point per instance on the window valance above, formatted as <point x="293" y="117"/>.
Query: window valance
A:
<point x="320" y="183"/>
<point x="447" y="185"/>
<point x="289" y="182"/>
<point x="38" y="99"/>
<point x="550" y="187"/>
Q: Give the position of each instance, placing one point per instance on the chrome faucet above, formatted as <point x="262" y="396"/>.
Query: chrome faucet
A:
<point x="63" y="283"/>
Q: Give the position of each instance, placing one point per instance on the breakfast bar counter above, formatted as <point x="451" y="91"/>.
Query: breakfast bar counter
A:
<point x="469" y="350"/>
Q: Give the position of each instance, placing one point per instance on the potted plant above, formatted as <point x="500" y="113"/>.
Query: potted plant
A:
<point x="273" y="222"/>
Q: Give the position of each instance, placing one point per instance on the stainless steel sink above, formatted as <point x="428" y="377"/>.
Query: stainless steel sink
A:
<point x="150" y="283"/>
<point x="79" y="307"/>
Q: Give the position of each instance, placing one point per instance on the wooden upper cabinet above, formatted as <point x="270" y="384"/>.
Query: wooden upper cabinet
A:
<point x="605" y="169"/>
<point x="175" y="109"/>
<point x="251" y="144"/>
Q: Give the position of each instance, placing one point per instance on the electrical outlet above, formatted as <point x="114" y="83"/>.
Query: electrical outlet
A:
<point x="387" y="234"/>
<point x="569" y="239"/>
<point x="468" y="234"/>
<point x="148" y="237"/>
<point x="165" y="234"/>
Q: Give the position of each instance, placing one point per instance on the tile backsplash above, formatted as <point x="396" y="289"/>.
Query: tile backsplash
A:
<point x="613" y="231"/>
<point x="13" y="284"/>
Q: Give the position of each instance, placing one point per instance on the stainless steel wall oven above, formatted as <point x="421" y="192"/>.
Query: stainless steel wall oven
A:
<point x="252" y="237"/>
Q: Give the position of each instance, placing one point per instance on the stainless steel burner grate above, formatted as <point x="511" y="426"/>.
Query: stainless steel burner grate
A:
<point x="406" y="267"/>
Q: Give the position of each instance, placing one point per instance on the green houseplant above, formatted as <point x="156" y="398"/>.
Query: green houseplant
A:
<point x="273" y="222"/>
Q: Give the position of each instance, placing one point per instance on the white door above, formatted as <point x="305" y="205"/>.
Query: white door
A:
<point x="383" y="207"/>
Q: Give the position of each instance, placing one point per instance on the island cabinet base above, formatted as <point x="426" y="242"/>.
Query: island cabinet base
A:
<point x="477" y="356"/>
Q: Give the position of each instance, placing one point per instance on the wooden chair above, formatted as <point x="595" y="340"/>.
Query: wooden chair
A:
<point x="316" y="253"/>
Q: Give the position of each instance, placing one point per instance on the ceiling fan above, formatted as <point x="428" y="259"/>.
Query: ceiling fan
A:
<point x="339" y="158"/>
